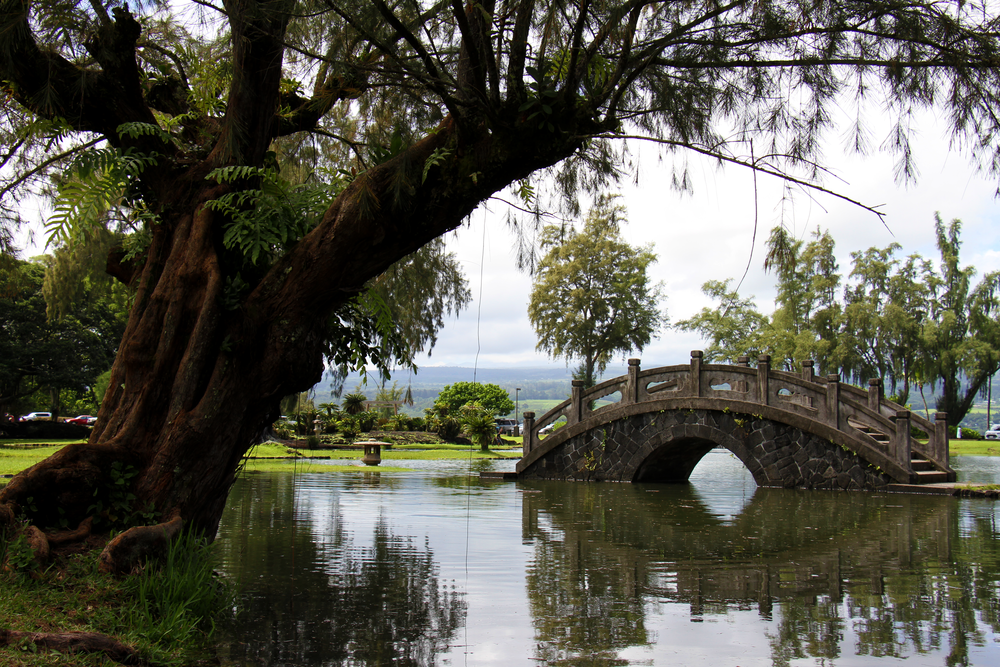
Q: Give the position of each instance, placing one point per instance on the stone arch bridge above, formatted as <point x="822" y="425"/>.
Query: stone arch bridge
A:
<point x="789" y="429"/>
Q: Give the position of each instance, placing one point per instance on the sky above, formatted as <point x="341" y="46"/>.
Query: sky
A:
<point x="711" y="234"/>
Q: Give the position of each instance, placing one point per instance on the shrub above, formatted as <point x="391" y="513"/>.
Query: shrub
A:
<point x="366" y="420"/>
<point x="448" y="428"/>
<point x="398" y="423"/>
<point x="349" y="427"/>
<point x="967" y="433"/>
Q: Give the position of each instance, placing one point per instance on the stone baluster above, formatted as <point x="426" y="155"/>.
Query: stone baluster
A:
<point x="631" y="393"/>
<point x="763" y="378"/>
<point x="808" y="370"/>
<point x="901" y="442"/>
<point x="530" y="437"/>
<point x="743" y="361"/>
<point x="575" y="415"/>
<point x="939" y="450"/>
<point x="832" y="416"/>
<point x="694" y="380"/>
<point x="875" y="395"/>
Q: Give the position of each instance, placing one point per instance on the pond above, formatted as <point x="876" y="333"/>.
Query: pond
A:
<point x="435" y="567"/>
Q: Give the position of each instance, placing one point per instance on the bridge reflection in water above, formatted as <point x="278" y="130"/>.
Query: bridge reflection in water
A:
<point x="340" y="571"/>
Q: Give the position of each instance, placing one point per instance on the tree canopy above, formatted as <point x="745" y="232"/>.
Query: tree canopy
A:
<point x="592" y="295"/>
<point x="39" y="354"/>
<point x="490" y="397"/>
<point x="262" y="168"/>
<point x="899" y="320"/>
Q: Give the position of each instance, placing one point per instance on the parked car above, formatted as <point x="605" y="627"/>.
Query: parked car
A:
<point x="993" y="433"/>
<point x="551" y="427"/>
<point x="36" y="416"/>
<point x="505" y="426"/>
<point x="82" y="420"/>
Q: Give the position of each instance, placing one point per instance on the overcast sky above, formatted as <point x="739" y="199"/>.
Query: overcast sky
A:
<point x="709" y="235"/>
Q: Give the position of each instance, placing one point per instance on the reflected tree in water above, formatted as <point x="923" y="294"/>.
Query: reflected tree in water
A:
<point x="381" y="604"/>
<point x="586" y="605"/>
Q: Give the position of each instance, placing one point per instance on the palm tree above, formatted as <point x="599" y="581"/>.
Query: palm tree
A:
<point x="480" y="424"/>
<point x="354" y="403"/>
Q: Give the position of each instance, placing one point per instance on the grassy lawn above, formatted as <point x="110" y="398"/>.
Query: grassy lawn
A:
<point x="15" y="459"/>
<point x="974" y="447"/>
<point x="275" y="457"/>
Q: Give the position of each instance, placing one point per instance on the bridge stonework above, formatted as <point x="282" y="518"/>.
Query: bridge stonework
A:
<point x="666" y="446"/>
<point x="788" y="429"/>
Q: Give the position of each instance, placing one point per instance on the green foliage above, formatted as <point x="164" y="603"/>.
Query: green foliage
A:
<point x="448" y="427"/>
<point x="354" y="403"/>
<point x="114" y="502"/>
<point x="480" y="423"/>
<point x="489" y="396"/>
<point x="349" y="427"/>
<point x="96" y="182"/>
<point x="591" y="296"/>
<point x="17" y="554"/>
<point x="264" y="221"/>
<point x="399" y="422"/>
<point x="899" y="320"/>
<point x="53" y="355"/>
<point x="367" y="420"/>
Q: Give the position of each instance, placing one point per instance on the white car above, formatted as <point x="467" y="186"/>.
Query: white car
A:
<point x="505" y="425"/>
<point x="36" y="416"/>
<point x="993" y="433"/>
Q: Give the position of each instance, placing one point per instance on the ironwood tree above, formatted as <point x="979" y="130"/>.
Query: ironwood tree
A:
<point x="418" y="112"/>
<point x="897" y="320"/>
<point x="592" y="296"/>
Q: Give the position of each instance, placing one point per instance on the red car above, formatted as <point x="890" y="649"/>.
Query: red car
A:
<point x="82" y="420"/>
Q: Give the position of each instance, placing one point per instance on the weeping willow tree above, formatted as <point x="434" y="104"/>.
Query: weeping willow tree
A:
<point x="271" y="161"/>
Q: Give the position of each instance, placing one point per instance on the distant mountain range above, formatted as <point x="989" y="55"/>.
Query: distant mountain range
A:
<point x="536" y="384"/>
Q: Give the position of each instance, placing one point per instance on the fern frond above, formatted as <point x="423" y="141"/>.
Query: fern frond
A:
<point x="234" y="173"/>
<point x="136" y="130"/>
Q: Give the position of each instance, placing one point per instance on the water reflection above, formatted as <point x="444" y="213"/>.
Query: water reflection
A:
<point x="437" y="568"/>
<point x="320" y="599"/>
<point x="897" y="575"/>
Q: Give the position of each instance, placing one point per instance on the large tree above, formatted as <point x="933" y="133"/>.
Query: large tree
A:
<point x="592" y="296"/>
<point x="428" y="110"/>
<point x="961" y="337"/>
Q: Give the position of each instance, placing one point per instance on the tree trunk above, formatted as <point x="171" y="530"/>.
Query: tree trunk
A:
<point x="195" y="385"/>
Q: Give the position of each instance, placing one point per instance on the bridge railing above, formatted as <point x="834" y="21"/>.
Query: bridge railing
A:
<point x="866" y="415"/>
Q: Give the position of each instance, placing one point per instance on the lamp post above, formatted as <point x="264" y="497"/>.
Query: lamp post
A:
<point x="517" y="413"/>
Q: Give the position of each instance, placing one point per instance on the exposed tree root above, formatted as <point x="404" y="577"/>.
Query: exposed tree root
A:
<point x="39" y="544"/>
<point x="73" y="642"/>
<point x="127" y="551"/>
<point x="81" y="533"/>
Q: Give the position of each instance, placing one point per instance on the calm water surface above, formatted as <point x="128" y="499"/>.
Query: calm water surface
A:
<point x="434" y="567"/>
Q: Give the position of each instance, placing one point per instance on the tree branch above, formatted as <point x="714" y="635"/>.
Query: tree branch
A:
<point x="756" y="166"/>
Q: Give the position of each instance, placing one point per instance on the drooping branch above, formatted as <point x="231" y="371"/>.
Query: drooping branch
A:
<point x="757" y="166"/>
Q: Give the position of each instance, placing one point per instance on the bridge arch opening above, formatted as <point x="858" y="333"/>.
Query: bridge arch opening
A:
<point x="673" y="461"/>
